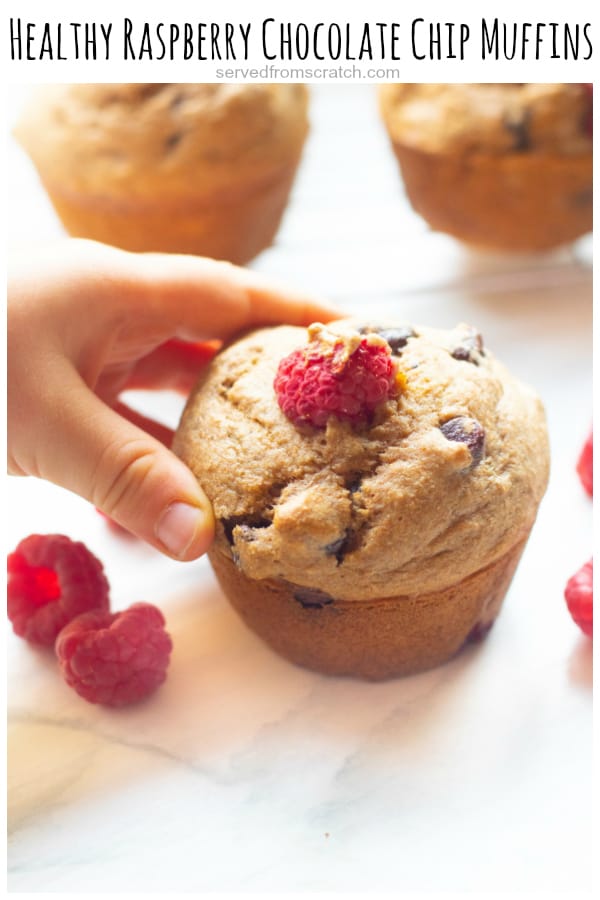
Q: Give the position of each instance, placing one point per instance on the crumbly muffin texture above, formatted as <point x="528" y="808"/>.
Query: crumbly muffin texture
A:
<point x="544" y="119"/>
<point x="156" y="140"/>
<point x="446" y="479"/>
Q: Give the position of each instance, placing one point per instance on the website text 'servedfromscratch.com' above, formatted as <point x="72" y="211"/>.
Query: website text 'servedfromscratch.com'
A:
<point x="329" y="73"/>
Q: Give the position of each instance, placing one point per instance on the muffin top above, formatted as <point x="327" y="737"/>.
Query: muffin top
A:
<point x="489" y="118"/>
<point x="158" y="140"/>
<point x="444" y="478"/>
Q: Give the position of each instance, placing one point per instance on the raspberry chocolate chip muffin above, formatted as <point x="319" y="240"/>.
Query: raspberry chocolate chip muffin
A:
<point x="374" y="486"/>
<point x="182" y="168"/>
<point x="502" y="166"/>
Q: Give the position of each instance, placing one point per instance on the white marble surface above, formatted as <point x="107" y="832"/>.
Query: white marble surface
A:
<point x="245" y="773"/>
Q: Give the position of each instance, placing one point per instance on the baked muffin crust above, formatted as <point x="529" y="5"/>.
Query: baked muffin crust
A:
<point x="445" y="481"/>
<point x="162" y="141"/>
<point x="545" y="119"/>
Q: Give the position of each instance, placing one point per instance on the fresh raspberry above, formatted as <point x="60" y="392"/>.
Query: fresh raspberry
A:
<point x="115" y="658"/>
<point x="334" y="378"/>
<point x="52" y="579"/>
<point x="579" y="594"/>
<point x="585" y="465"/>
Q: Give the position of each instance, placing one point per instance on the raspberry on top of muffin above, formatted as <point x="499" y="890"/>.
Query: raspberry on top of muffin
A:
<point x="436" y="470"/>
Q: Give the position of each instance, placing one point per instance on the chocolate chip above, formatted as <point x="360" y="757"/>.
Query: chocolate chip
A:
<point x="228" y="526"/>
<point x="397" y="336"/>
<point x="582" y="198"/>
<point x="466" y="431"/>
<point x="310" y="598"/>
<point x="517" y="124"/>
<point x="173" y="140"/>
<point x="462" y="353"/>
<point x="147" y="91"/>
<point x="177" y="100"/>
<point x="353" y="484"/>
<point x="339" y="548"/>
<point x="247" y="524"/>
<point x="470" y="347"/>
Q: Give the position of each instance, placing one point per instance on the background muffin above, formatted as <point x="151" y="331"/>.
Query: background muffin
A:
<point x="183" y="168"/>
<point x="373" y="544"/>
<point x="504" y="166"/>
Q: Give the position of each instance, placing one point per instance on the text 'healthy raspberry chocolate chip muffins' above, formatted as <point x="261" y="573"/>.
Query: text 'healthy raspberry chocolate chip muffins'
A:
<point x="180" y="168"/>
<point x="374" y="486"/>
<point x="501" y="166"/>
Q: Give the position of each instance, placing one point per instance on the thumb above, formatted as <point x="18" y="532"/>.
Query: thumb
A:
<point x="126" y="473"/>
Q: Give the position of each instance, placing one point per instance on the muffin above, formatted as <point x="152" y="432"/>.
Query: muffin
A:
<point x="374" y="485"/>
<point x="180" y="168"/>
<point x="501" y="166"/>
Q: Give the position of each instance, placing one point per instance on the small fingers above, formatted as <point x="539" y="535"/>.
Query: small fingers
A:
<point x="196" y="298"/>
<point x="174" y="365"/>
<point x="128" y="473"/>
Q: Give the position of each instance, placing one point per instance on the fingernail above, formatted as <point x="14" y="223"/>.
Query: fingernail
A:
<point x="177" y="527"/>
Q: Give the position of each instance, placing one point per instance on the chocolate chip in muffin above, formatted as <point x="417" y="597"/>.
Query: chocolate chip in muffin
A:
<point x="470" y="347"/>
<point x="397" y="337"/>
<point x="177" y="100"/>
<point x="247" y="524"/>
<point x="582" y="198"/>
<point x="466" y="431"/>
<point x="311" y="598"/>
<point x="353" y="483"/>
<point x="146" y="91"/>
<point x="517" y="123"/>
<point x="338" y="548"/>
<point x="173" y="140"/>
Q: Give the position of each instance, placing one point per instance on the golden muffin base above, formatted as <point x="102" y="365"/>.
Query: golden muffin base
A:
<point x="375" y="639"/>
<point x="234" y="225"/>
<point x="515" y="202"/>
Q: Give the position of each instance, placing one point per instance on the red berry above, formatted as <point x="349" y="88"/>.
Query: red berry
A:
<point x="585" y="465"/>
<point x="579" y="594"/>
<point x="52" y="579"/>
<point x="327" y="379"/>
<point x="115" y="658"/>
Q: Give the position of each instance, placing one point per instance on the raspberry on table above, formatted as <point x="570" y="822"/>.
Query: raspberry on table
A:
<point x="585" y="465"/>
<point x="52" y="579"/>
<point x="336" y="376"/>
<point x="579" y="594"/>
<point x="115" y="659"/>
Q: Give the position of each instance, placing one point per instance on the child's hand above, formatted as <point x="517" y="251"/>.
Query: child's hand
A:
<point x="86" y="322"/>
